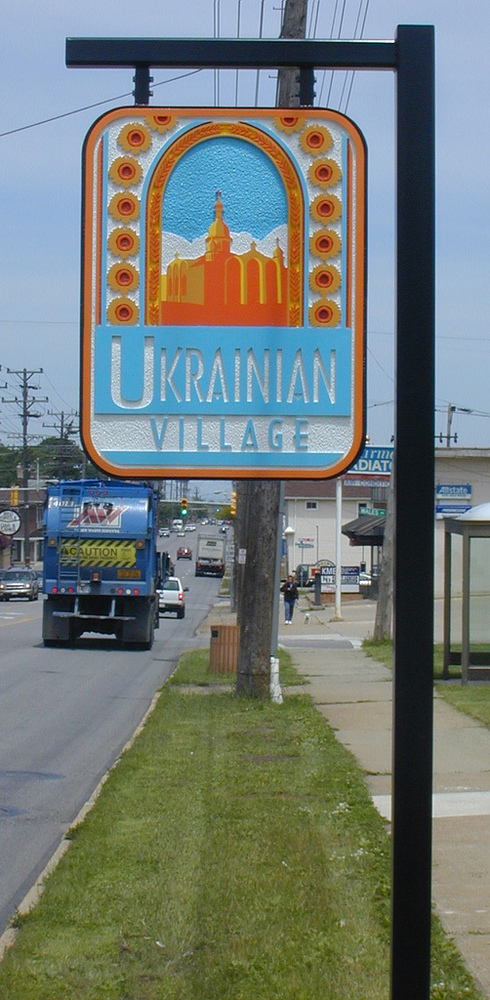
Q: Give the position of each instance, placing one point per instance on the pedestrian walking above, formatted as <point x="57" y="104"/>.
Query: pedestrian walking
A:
<point x="290" y="591"/>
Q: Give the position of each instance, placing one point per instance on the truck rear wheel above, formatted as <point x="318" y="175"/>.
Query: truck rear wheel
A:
<point x="140" y="629"/>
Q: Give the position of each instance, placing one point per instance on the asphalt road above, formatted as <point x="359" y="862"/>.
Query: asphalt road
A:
<point x="65" y="715"/>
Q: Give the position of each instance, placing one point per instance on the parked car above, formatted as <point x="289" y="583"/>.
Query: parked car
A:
<point x="19" y="582"/>
<point x="184" y="552"/>
<point x="171" y="597"/>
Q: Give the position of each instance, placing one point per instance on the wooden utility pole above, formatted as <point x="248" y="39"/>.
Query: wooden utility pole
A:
<point x="256" y="597"/>
<point x="293" y="26"/>
<point x="258" y="501"/>
<point x="26" y="402"/>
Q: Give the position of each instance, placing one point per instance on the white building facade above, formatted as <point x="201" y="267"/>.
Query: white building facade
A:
<point x="462" y="480"/>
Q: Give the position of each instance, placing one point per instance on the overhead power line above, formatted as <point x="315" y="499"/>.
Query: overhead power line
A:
<point x="98" y="104"/>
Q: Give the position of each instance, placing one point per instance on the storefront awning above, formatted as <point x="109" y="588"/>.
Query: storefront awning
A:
<point x="365" y="530"/>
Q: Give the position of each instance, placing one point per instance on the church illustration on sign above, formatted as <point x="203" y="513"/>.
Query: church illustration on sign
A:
<point x="225" y="288"/>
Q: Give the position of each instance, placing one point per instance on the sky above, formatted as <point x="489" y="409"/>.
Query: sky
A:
<point x="240" y="171"/>
<point x="40" y="202"/>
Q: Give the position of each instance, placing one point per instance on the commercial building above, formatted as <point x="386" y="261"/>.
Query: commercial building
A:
<point x="462" y="480"/>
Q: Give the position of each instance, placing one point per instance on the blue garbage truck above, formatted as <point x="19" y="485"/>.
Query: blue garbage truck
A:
<point x="101" y="565"/>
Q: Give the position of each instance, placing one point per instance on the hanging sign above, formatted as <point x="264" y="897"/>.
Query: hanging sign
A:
<point x="223" y="293"/>
<point x="9" y="522"/>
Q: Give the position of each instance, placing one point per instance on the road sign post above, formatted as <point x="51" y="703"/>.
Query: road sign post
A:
<point x="411" y="57"/>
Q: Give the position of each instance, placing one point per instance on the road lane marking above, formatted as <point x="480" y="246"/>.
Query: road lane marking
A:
<point x="15" y="618"/>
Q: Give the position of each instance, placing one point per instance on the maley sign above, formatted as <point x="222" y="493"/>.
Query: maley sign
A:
<point x="223" y="293"/>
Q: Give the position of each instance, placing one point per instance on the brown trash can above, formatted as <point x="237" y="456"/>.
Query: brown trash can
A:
<point x="223" y="649"/>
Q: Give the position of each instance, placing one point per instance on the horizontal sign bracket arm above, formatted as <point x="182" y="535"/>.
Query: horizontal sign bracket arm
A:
<point x="234" y="53"/>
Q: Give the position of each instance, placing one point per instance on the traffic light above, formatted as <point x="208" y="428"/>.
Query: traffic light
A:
<point x="183" y="507"/>
<point x="14" y="496"/>
<point x="233" y="503"/>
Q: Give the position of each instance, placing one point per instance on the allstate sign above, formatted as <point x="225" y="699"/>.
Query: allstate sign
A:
<point x="223" y="293"/>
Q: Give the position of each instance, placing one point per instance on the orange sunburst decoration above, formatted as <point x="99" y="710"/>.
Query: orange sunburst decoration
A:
<point x="123" y="277"/>
<point x="125" y="171"/>
<point x="123" y="311"/>
<point x="162" y="123"/>
<point x="124" y="206"/>
<point x="123" y="242"/>
<point x="325" y="243"/>
<point x="315" y="139"/>
<point x="326" y="208"/>
<point x="325" y="278"/>
<point x="290" y="123"/>
<point x="134" y="138"/>
<point x="325" y="312"/>
<point x="324" y="173"/>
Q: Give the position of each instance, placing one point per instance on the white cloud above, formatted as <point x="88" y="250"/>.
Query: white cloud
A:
<point x="241" y="242"/>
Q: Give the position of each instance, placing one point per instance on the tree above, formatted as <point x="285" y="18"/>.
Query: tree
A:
<point x="10" y="459"/>
<point x="59" y="458"/>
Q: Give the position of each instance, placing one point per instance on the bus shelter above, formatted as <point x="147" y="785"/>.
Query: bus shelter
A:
<point x="473" y="528"/>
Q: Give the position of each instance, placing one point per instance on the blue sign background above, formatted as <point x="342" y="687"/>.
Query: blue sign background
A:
<point x="298" y="382"/>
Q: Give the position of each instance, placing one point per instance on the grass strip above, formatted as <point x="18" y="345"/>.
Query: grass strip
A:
<point x="233" y="854"/>
<point x="473" y="699"/>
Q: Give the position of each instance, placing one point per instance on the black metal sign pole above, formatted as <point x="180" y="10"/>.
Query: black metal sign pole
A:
<point x="412" y="58"/>
<point x="414" y="531"/>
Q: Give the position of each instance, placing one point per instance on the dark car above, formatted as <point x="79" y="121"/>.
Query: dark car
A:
<point x="19" y="583"/>
<point x="184" y="552"/>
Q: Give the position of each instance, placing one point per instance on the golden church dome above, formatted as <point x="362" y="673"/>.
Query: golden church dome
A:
<point x="218" y="238"/>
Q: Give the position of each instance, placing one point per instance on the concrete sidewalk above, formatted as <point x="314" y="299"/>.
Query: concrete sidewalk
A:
<point x="354" y="692"/>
